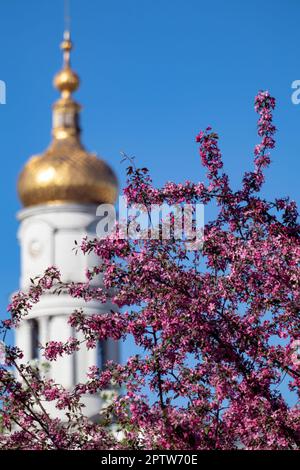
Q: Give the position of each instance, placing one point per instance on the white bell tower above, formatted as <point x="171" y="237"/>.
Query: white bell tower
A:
<point x="60" y="191"/>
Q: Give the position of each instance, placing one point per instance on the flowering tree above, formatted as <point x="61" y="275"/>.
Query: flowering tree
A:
<point x="215" y="326"/>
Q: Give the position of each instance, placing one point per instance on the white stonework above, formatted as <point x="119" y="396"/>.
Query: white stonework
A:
<point x="46" y="235"/>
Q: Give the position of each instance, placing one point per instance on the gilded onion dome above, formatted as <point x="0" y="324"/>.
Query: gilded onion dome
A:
<point x="66" y="172"/>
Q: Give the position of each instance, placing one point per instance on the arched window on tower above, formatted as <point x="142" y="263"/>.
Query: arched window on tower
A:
<point x="34" y="336"/>
<point x="101" y="354"/>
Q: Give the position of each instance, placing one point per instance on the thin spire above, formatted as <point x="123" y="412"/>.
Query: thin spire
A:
<point x="66" y="47"/>
<point x="67" y="16"/>
<point x="65" y="109"/>
<point x="66" y="81"/>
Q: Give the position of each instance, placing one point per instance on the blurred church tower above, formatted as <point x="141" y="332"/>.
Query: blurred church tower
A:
<point x="60" y="190"/>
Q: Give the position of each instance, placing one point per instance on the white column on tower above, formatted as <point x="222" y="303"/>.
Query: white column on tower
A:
<point x="46" y="236"/>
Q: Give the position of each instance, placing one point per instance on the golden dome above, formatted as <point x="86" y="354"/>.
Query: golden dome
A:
<point x="66" y="172"/>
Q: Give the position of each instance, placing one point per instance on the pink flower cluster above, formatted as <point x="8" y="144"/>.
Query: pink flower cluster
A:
<point x="213" y="329"/>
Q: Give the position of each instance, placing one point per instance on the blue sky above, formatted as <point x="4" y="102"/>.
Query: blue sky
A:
<point x="153" y="73"/>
